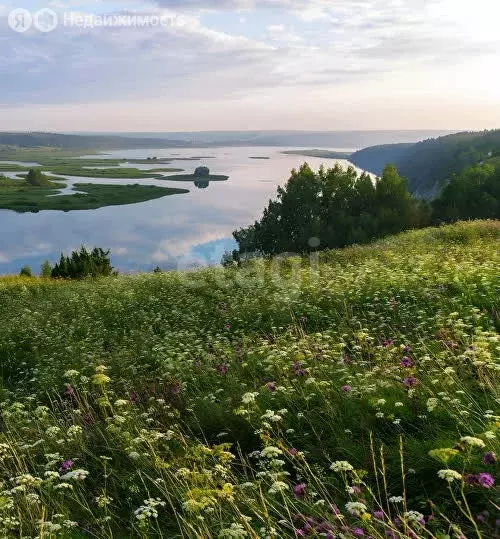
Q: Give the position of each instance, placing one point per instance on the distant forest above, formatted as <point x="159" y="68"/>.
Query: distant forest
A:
<point x="82" y="142"/>
<point x="429" y="164"/>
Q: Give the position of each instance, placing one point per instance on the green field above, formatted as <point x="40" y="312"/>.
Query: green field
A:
<point x="117" y="173"/>
<point x="74" y="163"/>
<point x="16" y="195"/>
<point x="84" y="169"/>
<point x="353" y="394"/>
<point x="322" y="154"/>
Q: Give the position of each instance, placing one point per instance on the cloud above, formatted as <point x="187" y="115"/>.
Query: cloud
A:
<point x="282" y="49"/>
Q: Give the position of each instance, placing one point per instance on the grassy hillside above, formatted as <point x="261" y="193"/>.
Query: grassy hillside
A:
<point x="428" y="164"/>
<point x="352" y="394"/>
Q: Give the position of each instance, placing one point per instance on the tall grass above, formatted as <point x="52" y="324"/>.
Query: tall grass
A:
<point x="354" y="396"/>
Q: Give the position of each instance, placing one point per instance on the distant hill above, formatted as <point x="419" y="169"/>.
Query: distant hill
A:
<point x="298" y="139"/>
<point x="428" y="164"/>
<point x="79" y="142"/>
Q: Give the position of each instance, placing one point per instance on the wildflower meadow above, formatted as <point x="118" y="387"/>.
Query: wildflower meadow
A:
<point x="351" y="393"/>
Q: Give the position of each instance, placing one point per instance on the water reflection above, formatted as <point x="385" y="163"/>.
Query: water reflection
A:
<point x="201" y="183"/>
<point x="174" y="231"/>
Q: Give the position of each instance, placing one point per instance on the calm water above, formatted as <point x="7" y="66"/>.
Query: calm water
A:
<point x="173" y="232"/>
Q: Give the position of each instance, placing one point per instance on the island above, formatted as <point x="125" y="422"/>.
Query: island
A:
<point x="200" y="176"/>
<point x="38" y="192"/>
<point x="322" y="154"/>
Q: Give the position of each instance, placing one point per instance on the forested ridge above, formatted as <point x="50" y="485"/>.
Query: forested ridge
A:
<point x="430" y="163"/>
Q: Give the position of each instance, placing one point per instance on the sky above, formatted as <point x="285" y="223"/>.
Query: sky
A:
<point x="250" y="64"/>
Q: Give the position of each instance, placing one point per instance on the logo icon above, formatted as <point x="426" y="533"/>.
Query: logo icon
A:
<point x="45" y="20"/>
<point x="20" y="20"/>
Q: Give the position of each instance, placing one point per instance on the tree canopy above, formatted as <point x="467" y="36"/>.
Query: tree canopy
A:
<point x="202" y="172"/>
<point x="82" y="264"/>
<point x="331" y="208"/>
<point x="472" y="194"/>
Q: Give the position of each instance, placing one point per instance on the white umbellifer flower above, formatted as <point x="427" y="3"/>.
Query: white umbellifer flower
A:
<point x="72" y="373"/>
<point x="121" y="402"/>
<point x="432" y="404"/>
<point x="379" y="415"/>
<point x="236" y="531"/>
<point x="271" y="452"/>
<point x="148" y="510"/>
<point x="52" y="432"/>
<point x="50" y="527"/>
<point x="414" y="516"/>
<point x="396" y="499"/>
<point x="272" y="416"/>
<point x="62" y="486"/>
<point x="4" y="451"/>
<point x="490" y="435"/>
<point x="398" y="404"/>
<point x="341" y="466"/>
<point x="355" y="508"/>
<point x="381" y="402"/>
<point x="472" y="441"/>
<point x="74" y="431"/>
<point x="278" y="486"/>
<point x="449" y="475"/>
<point x="249" y="398"/>
<point x="77" y="475"/>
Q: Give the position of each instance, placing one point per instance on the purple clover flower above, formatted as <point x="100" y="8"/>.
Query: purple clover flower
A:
<point x="407" y="362"/>
<point x="346" y="388"/>
<point x="486" y="480"/>
<point x="66" y="465"/>
<point x="299" y="491"/>
<point x="489" y="458"/>
<point x="410" y="381"/>
<point x="222" y="369"/>
<point x="298" y="369"/>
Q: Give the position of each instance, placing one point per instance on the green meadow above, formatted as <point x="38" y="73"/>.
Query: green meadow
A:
<point x="18" y="196"/>
<point x="351" y="393"/>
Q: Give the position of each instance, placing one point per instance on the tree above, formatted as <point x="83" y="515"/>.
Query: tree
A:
<point x="35" y="178"/>
<point x="46" y="270"/>
<point x="82" y="264"/>
<point x="335" y="206"/>
<point x="472" y="194"/>
<point x="26" y="272"/>
<point x="202" y="172"/>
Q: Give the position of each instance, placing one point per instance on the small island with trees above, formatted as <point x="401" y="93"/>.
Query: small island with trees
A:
<point x="201" y="177"/>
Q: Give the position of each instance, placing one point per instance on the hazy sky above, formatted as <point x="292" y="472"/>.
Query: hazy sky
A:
<point x="254" y="64"/>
